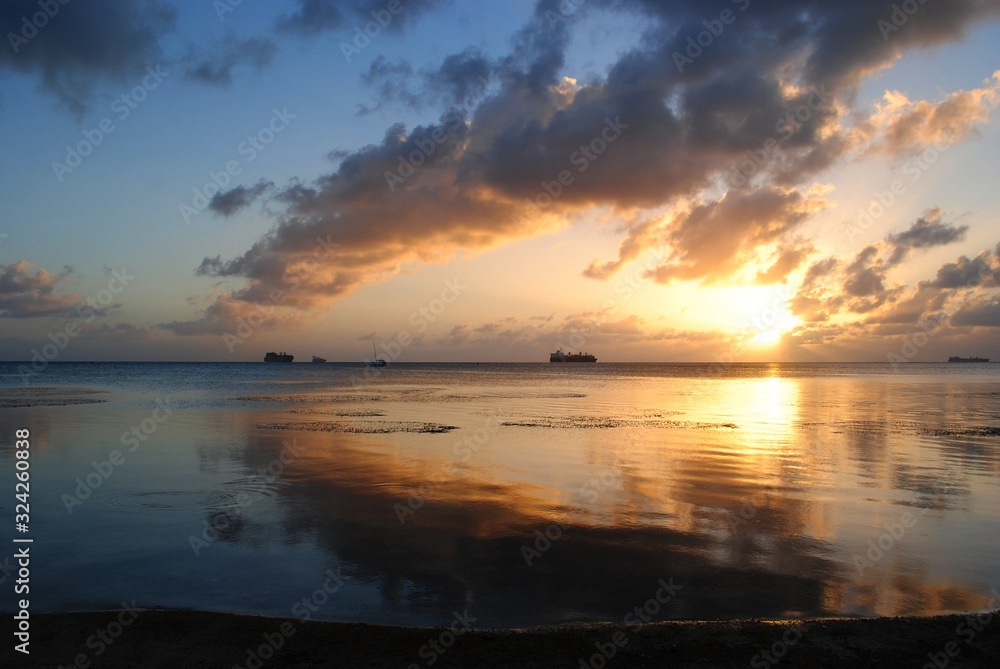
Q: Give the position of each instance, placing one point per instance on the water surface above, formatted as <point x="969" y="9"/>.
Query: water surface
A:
<point x="762" y="490"/>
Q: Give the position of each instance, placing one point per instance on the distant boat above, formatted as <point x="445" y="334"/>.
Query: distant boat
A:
<point x="316" y="358"/>
<point x="559" y="356"/>
<point x="278" y="357"/>
<point x="955" y="358"/>
<point x="376" y="362"/>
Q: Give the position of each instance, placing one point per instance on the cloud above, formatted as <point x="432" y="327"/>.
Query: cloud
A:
<point x="461" y="80"/>
<point x="712" y="241"/>
<point x="966" y="272"/>
<point x="906" y="128"/>
<point x="787" y="262"/>
<point x="216" y="64"/>
<point x="649" y="141"/>
<point x="27" y="294"/>
<point x="928" y="231"/>
<point x="981" y="315"/>
<point x="85" y="45"/>
<point x="312" y="18"/>
<point x="640" y="236"/>
<point x="228" y="203"/>
<point x="226" y="313"/>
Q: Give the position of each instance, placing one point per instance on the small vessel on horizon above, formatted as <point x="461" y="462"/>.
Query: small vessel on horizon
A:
<point x="560" y="356"/>
<point x="956" y="358"/>
<point x="271" y="356"/>
<point x="316" y="358"/>
<point x="376" y="362"/>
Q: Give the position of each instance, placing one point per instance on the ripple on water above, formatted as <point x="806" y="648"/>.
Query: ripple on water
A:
<point x="238" y="492"/>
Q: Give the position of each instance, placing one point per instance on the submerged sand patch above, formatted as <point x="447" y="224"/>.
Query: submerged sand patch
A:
<point x="604" y="422"/>
<point x="362" y="427"/>
<point x="47" y="396"/>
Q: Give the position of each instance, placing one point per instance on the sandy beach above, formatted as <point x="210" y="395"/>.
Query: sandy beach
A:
<point x="198" y="639"/>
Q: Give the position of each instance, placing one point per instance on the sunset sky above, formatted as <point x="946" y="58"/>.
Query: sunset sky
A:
<point x="647" y="180"/>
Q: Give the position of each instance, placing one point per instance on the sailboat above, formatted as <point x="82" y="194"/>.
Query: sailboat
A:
<point x="376" y="362"/>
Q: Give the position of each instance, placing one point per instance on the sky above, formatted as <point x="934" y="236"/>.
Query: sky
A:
<point x="645" y="180"/>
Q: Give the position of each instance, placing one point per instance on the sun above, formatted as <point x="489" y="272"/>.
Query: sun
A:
<point x="773" y="335"/>
<point x="769" y="337"/>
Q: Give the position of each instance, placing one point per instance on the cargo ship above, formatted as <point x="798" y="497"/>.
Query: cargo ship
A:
<point x="316" y="358"/>
<point x="278" y="357"/>
<point x="559" y="356"/>
<point x="955" y="358"/>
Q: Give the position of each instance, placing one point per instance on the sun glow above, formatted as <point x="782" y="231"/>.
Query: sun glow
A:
<point x="774" y="334"/>
<point x="767" y="338"/>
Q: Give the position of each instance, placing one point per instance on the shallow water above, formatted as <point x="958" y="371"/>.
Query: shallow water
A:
<point x="760" y="490"/>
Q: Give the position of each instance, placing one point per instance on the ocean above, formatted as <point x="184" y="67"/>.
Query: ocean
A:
<point x="514" y="494"/>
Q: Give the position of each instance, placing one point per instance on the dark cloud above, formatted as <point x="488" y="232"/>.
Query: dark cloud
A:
<point x="461" y="80"/>
<point x="928" y="231"/>
<point x="865" y="280"/>
<point x="966" y="272"/>
<point x="819" y="270"/>
<point x="315" y="17"/>
<point x="217" y="63"/>
<point x="538" y="148"/>
<point x="390" y="81"/>
<point x="28" y="294"/>
<point x="981" y="315"/>
<point x="85" y="44"/>
<point x="227" y="203"/>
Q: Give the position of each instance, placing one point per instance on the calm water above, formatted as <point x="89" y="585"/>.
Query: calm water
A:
<point x="762" y="490"/>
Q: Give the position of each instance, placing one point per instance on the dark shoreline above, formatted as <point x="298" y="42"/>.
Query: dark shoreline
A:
<point x="174" y="639"/>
